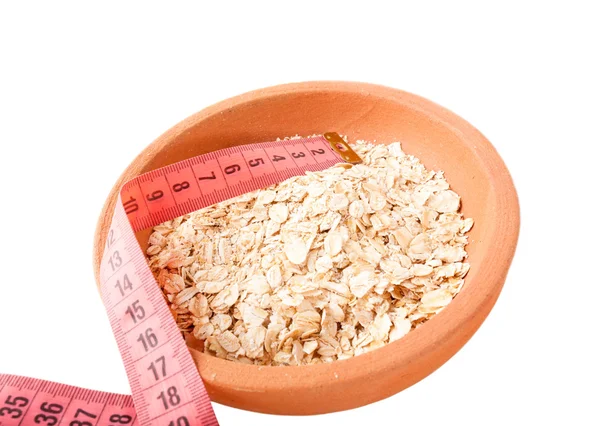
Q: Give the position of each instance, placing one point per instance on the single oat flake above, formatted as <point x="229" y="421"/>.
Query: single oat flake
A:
<point x="317" y="268"/>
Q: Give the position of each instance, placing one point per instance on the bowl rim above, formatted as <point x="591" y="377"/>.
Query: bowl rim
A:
<point x="436" y="332"/>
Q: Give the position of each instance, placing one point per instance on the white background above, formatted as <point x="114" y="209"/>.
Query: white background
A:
<point x="83" y="89"/>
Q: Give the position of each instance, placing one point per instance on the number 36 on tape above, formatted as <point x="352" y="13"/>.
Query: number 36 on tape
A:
<point x="165" y="384"/>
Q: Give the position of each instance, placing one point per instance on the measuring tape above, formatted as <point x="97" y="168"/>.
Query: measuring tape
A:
<point x="165" y="384"/>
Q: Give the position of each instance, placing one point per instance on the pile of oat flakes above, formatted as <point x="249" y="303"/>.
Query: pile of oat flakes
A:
<point x="318" y="268"/>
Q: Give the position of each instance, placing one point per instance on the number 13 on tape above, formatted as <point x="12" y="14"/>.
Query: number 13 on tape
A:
<point x="165" y="384"/>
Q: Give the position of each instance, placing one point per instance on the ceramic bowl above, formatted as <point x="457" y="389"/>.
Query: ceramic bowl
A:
<point x="441" y="140"/>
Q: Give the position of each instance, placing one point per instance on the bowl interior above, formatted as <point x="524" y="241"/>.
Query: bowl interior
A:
<point x="360" y="115"/>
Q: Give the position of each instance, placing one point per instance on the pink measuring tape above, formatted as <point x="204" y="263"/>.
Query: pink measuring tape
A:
<point x="165" y="384"/>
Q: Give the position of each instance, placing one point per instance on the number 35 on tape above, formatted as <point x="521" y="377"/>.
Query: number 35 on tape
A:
<point x="165" y="384"/>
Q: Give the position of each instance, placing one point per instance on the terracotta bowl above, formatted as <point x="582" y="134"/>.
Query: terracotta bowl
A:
<point x="441" y="140"/>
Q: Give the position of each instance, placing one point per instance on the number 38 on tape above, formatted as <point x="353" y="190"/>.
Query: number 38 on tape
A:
<point x="165" y="385"/>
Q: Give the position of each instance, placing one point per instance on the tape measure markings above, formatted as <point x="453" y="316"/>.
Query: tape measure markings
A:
<point x="165" y="383"/>
<point x="69" y="405"/>
<point x="144" y="336"/>
<point x="216" y="187"/>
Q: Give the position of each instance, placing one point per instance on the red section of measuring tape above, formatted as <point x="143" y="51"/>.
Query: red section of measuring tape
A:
<point x="166" y="387"/>
<point x="192" y="184"/>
